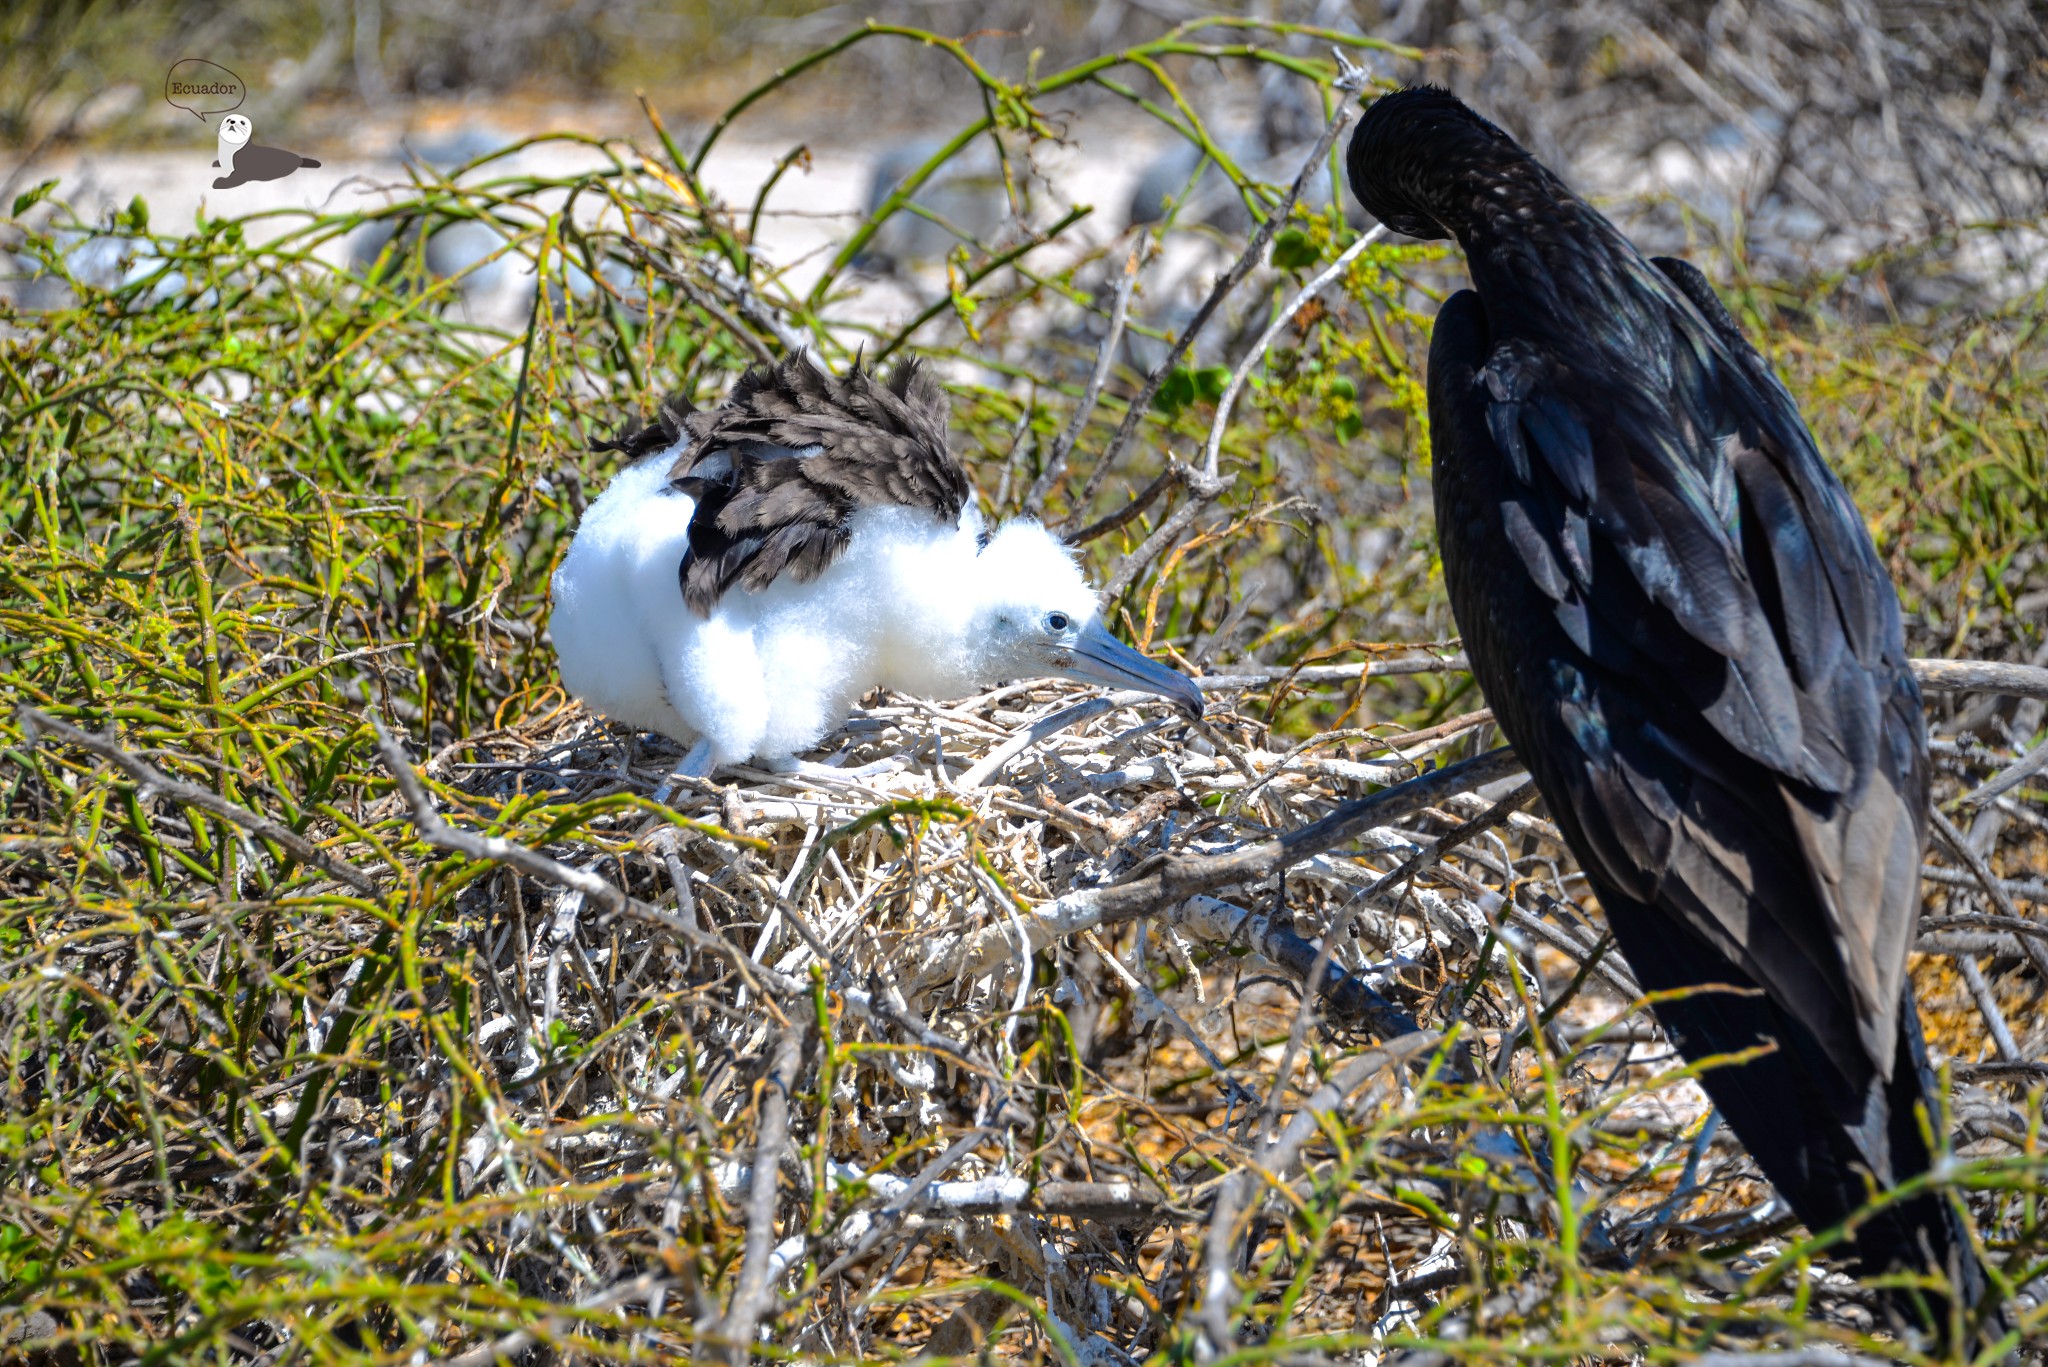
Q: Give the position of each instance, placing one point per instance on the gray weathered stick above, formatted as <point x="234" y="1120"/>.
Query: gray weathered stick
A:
<point x="1212" y="451"/>
<point x="2033" y="762"/>
<point x="1959" y="845"/>
<point x="1982" y="676"/>
<point x="1347" y="999"/>
<point x="509" y="1347"/>
<point x="1935" y="676"/>
<point x="1241" y="677"/>
<point x="1254" y="251"/>
<point x="752" y="1297"/>
<point x="498" y="850"/>
<point x="1172" y="878"/>
<point x="1056" y="461"/>
<point x="1341" y="927"/>
<point x="1275" y="1158"/>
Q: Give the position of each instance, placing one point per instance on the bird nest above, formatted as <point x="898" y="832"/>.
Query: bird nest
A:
<point x="1015" y="1010"/>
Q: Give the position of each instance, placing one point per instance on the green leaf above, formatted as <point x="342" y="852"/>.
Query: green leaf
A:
<point x="1210" y="380"/>
<point x="1344" y="392"/>
<point x="28" y="199"/>
<point x="17" y="1260"/>
<point x="1293" y="251"/>
<point x="1176" y="393"/>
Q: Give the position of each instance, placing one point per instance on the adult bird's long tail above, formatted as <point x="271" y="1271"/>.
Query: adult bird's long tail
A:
<point x="1821" y="1151"/>
<point x="1684" y="629"/>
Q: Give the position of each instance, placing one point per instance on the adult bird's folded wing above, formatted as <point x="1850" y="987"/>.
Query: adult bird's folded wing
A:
<point x="1859" y="705"/>
<point x="1665" y="574"/>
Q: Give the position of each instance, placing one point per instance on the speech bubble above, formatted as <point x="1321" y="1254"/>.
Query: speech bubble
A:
<point x="185" y="88"/>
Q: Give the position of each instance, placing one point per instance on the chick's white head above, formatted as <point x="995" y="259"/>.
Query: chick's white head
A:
<point x="1035" y="615"/>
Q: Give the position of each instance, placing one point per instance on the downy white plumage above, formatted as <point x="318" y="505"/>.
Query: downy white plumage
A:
<point x="917" y="603"/>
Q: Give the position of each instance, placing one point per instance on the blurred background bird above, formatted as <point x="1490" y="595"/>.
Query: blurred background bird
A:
<point x="760" y="566"/>
<point x="1683" y="627"/>
<point x="390" y="250"/>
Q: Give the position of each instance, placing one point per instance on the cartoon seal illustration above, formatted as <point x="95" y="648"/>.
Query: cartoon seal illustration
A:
<point x="245" y="162"/>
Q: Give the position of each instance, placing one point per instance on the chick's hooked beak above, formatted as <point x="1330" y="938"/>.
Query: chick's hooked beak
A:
<point x="1096" y="657"/>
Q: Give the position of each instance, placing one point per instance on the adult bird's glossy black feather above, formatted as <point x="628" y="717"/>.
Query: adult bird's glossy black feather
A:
<point x="1683" y="627"/>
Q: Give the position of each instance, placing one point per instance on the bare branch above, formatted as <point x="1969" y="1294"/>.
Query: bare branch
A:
<point x="1105" y="357"/>
<point x="498" y="850"/>
<point x="1982" y="676"/>
<point x="1350" y="1001"/>
<point x="1213" y="450"/>
<point x="1168" y="879"/>
<point x="2035" y="761"/>
<point x="509" y="1347"/>
<point x="1254" y="252"/>
<point x="753" y="1295"/>
<point x="1276" y="1158"/>
<point x="1959" y="846"/>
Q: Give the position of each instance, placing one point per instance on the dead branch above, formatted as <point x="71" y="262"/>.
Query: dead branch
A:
<point x="1172" y="878"/>
<point x="752" y="1297"/>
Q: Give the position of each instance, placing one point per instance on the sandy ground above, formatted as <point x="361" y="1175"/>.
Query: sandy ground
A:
<point x="812" y="211"/>
<point x="817" y="203"/>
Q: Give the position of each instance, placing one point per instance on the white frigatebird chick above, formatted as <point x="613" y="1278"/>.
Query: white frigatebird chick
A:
<point x="761" y="565"/>
<point x="1685" y="631"/>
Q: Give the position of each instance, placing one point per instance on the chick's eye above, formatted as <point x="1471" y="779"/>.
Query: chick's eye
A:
<point x="1057" y="621"/>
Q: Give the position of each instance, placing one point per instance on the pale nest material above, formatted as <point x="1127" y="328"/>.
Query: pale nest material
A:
<point x="1052" y="808"/>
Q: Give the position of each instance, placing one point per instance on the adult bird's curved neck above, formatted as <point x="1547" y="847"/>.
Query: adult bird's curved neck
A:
<point x="1426" y="165"/>
<point x="1541" y="257"/>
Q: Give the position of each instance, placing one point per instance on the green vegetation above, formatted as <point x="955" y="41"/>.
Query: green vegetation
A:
<point x="254" y="1105"/>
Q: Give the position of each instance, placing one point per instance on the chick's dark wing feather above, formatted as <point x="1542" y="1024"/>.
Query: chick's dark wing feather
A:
<point x="781" y="467"/>
<point x="659" y="433"/>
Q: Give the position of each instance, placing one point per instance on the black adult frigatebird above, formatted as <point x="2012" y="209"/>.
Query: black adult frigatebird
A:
<point x="1684" y="629"/>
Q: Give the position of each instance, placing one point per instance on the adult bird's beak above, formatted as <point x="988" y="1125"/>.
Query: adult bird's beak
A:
<point x="1097" y="657"/>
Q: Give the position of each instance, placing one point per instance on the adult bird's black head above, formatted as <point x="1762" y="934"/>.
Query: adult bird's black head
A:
<point x="1683" y="627"/>
<point x="1423" y="163"/>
